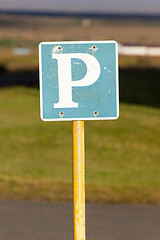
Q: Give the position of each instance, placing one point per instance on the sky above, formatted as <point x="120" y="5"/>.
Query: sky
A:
<point x="108" y="6"/>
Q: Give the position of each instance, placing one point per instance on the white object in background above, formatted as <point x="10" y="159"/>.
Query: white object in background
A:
<point x="21" y="51"/>
<point x="138" y="50"/>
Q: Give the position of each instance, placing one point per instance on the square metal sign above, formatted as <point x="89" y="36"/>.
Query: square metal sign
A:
<point x="79" y="80"/>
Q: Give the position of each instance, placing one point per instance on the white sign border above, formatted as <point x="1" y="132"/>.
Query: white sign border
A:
<point x="77" y="119"/>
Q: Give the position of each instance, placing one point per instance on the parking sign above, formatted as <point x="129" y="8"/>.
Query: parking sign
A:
<point x="79" y="80"/>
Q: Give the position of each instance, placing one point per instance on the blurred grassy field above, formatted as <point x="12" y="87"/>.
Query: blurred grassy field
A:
<point x="122" y="156"/>
<point x="29" y="31"/>
<point x="12" y="62"/>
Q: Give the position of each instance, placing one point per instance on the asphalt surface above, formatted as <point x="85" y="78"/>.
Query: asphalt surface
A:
<point x="53" y="221"/>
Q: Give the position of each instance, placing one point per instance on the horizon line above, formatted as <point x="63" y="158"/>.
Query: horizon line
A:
<point x="89" y="14"/>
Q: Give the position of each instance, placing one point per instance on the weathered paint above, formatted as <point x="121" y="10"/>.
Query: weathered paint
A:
<point x="84" y="73"/>
<point x="78" y="180"/>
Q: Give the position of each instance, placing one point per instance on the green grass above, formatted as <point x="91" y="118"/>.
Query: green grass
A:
<point x="122" y="156"/>
<point x="17" y="42"/>
<point x="17" y="62"/>
<point x="139" y="62"/>
<point x="13" y="62"/>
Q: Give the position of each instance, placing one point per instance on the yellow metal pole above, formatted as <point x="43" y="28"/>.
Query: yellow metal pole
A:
<point x="78" y="180"/>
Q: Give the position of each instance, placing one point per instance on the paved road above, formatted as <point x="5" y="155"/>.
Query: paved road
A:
<point x="53" y="221"/>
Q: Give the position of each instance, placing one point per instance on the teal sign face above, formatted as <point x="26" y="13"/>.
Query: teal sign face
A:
<point x="79" y="80"/>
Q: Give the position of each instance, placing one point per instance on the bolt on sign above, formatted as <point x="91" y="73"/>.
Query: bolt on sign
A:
<point x="79" y="80"/>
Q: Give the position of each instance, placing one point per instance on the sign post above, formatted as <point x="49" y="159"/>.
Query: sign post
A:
<point x="78" y="180"/>
<point x="79" y="81"/>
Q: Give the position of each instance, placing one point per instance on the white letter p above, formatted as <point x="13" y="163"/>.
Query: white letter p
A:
<point x="65" y="76"/>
